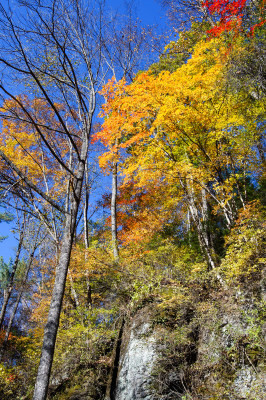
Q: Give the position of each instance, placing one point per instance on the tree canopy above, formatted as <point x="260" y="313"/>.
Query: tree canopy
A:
<point x="183" y="226"/>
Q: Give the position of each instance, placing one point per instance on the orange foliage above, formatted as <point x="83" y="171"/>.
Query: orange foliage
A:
<point x="20" y="140"/>
<point x="173" y="136"/>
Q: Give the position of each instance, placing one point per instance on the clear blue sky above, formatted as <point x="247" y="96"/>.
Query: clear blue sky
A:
<point x="7" y="246"/>
<point x="149" y="12"/>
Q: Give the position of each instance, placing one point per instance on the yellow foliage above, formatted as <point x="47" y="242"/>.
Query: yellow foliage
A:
<point x="181" y="129"/>
<point x="245" y="252"/>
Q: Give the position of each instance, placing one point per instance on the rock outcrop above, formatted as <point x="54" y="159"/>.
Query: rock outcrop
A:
<point x="137" y="357"/>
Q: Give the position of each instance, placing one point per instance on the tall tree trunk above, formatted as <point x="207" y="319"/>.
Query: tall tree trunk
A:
<point x="114" y="211"/>
<point x="50" y="332"/>
<point x="204" y="241"/>
<point x="51" y="328"/>
<point x="201" y="224"/>
<point x="8" y="290"/>
<point x="202" y="236"/>
<point x="86" y="233"/>
<point x="73" y="291"/>
<point x="12" y="316"/>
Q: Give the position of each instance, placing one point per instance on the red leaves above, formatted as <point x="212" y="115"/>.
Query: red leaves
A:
<point x="225" y="8"/>
<point x="11" y="378"/>
<point x="257" y="26"/>
<point x="230" y="13"/>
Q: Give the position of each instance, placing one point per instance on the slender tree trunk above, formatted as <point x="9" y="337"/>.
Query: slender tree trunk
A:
<point x="206" y="221"/>
<point x="50" y="331"/>
<point x="205" y="12"/>
<point x="12" y="316"/>
<point x="189" y="228"/>
<point x="86" y="234"/>
<point x="201" y="227"/>
<point x="202" y="236"/>
<point x="68" y="191"/>
<point x="114" y="211"/>
<point x="73" y="291"/>
<point x="204" y="242"/>
<point x="8" y="290"/>
<point x="86" y="207"/>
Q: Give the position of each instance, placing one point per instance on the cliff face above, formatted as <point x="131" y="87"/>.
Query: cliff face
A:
<point x="176" y="351"/>
<point x="178" y="345"/>
<point x="182" y="338"/>
<point x="138" y="355"/>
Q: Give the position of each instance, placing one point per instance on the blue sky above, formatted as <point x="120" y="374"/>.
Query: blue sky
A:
<point x="7" y="246"/>
<point x="149" y="12"/>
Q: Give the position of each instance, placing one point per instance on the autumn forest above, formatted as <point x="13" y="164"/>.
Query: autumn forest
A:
<point x="132" y="172"/>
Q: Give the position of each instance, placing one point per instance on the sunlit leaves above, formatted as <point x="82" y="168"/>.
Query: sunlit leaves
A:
<point x="30" y="129"/>
<point x="244" y="256"/>
<point x="181" y="131"/>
